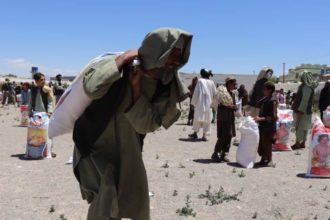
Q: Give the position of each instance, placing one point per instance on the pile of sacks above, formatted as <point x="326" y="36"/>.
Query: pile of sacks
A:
<point x="283" y="124"/>
<point x="319" y="155"/>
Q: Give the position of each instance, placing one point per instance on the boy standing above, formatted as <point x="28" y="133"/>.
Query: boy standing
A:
<point x="225" y="125"/>
<point x="267" y="124"/>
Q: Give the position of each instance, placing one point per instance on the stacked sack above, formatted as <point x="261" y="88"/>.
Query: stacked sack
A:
<point x="24" y="115"/>
<point x="319" y="154"/>
<point x="247" y="150"/>
<point x="37" y="136"/>
<point x="283" y="124"/>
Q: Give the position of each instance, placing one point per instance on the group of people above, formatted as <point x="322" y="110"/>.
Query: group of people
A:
<point x="129" y="101"/>
<point x="262" y="105"/>
<point x="205" y="100"/>
<point x="25" y="93"/>
<point x="11" y="91"/>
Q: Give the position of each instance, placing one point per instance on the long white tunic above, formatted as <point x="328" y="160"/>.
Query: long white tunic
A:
<point x="202" y="100"/>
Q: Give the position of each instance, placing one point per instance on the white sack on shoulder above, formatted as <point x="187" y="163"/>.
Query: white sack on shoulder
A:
<point x="247" y="150"/>
<point x="72" y="104"/>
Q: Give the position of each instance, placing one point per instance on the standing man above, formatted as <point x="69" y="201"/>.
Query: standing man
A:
<point x="324" y="101"/>
<point x="5" y="89"/>
<point x="202" y="100"/>
<point x="58" y="87"/>
<point x="225" y="125"/>
<point x="129" y="102"/>
<point x="257" y="91"/>
<point x="244" y="96"/>
<point x="267" y="124"/>
<point x="302" y="108"/>
<point x="41" y="98"/>
<point x="191" y="88"/>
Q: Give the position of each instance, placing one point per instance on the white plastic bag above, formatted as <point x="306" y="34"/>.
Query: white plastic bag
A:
<point x="247" y="150"/>
<point x="72" y="103"/>
<point x="282" y="106"/>
<point x="238" y="113"/>
<point x="38" y="143"/>
<point x="326" y="117"/>
<point x="319" y="155"/>
<point x="284" y="123"/>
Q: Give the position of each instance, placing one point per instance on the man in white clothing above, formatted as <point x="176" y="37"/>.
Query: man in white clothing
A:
<point x="202" y="100"/>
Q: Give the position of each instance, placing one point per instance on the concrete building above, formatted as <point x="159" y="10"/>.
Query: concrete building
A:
<point x="318" y="71"/>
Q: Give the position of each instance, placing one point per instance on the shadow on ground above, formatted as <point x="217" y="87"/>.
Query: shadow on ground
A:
<point x="190" y="139"/>
<point x="22" y="157"/>
<point x="234" y="164"/>
<point x="204" y="161"/>
<point x="305" y="176"/>
<point x="182" y="124"/>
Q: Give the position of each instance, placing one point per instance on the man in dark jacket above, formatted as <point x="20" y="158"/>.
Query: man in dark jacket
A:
<point x="324" y="101"/>
<point x="257" y="91"/>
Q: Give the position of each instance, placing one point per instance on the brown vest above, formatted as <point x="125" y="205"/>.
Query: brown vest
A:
<point x="44" y="97"/>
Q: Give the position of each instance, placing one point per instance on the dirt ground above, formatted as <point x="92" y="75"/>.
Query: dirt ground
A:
<point x="47" y="189"/>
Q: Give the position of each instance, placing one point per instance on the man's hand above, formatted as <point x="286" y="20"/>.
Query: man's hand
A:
<point x="49" y="114"/>
<point x="258" y="119"/>
<point x="126" y="58"/>
<point x="234" y="107"/>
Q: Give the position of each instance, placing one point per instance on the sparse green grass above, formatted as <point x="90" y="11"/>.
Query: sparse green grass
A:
<point x="52" y="209"/>
<point x="165" y="165"/>
<point x="242" y="174"/>
<point x="186" y="210"/>
<point x="62" y="217"/>
<point x="192" y="174"/>
<point x="281" y="214"/>
<point x="218" y="197"/>
<point x="181" y="165"/>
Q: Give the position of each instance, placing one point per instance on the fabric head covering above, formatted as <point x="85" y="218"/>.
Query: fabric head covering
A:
<point x="308" y="79"/>
<point x="158" y="44"/>
<point x="263" y="73"/>
<point x="205" y="73"/>
<point x="230" y="78"/>
<point x="155" y="50"/>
